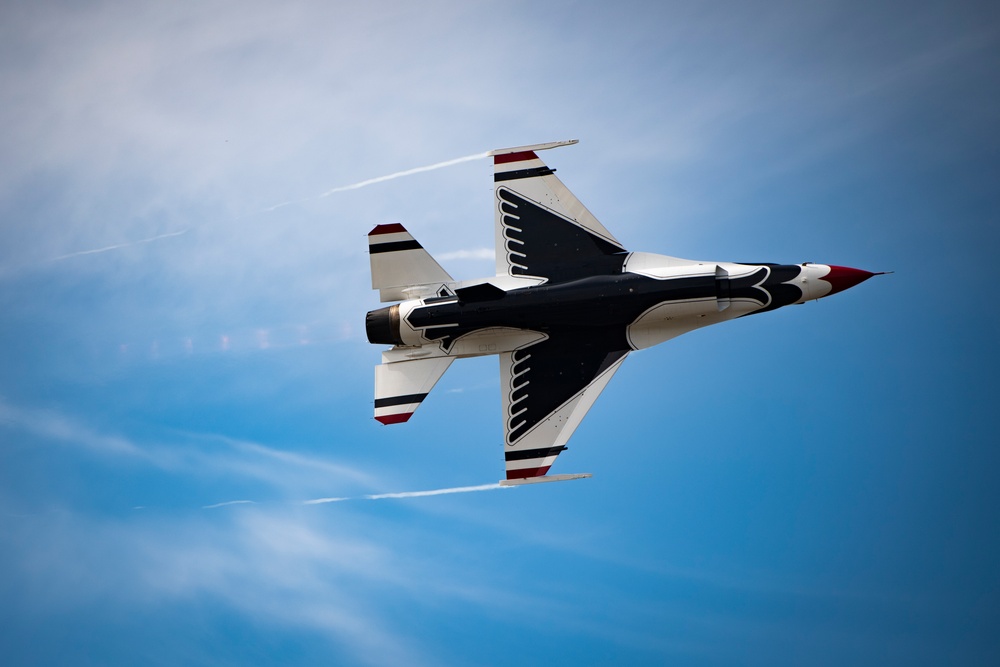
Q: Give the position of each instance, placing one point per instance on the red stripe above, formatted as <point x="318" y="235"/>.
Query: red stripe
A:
<point x="527" y="472"/>
<point x="393" y="228"/>
<point x="394" y="419"/>
<point x="514" y="157"/>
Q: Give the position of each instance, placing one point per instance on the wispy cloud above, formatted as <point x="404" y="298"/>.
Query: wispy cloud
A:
<point x="479" y="253"/>
<point x="293" y="459"/>
<point x="194" y="453"/>
<point x="54" y="426"/>
<point x="475" y="253"/>
<point x="306" y="573"/>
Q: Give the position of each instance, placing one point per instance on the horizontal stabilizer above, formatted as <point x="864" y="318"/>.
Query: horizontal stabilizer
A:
<point x="400" y="387"/>
<point x="546" y="478"/>
<point x="401" y="268"/>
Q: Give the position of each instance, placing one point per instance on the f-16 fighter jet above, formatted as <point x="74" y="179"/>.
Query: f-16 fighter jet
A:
<point x="568" y="303"/>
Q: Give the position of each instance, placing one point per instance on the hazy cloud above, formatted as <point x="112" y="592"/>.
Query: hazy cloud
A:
<point x="118" y="246"/>
<point x="475" y="253"/>
<point x="190" y="453"/>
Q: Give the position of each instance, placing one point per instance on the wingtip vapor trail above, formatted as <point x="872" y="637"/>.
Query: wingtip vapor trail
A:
<point x="409" y="494"/>
<point x="407" y="172"/>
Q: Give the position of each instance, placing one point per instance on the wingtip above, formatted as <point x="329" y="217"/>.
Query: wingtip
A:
<point x="533" y="147"/>
<point x="545" y="478"/>
<point x="390" y="228"/>
<point x="394" y="419"/>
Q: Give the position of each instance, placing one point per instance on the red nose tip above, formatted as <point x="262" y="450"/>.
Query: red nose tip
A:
<point x="844" y="277"/>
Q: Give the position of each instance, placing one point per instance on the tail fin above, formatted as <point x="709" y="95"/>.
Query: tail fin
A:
<point x="401" y="268"/>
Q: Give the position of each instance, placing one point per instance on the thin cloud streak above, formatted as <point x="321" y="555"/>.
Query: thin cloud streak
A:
<point x="118" y="246"/>
<point x="53" y="426"/>
<point x="190" y="452"/>
<point x="228" y="503"/>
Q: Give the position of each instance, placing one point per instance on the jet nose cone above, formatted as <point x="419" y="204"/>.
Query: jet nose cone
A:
<point x="844" y="277"/>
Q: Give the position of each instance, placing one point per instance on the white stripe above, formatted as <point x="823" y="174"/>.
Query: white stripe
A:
<point x="389" y="238"/>
<point x="408" y="408"/>
<point x="517" y="166"/>
<point x="531" y="463"/>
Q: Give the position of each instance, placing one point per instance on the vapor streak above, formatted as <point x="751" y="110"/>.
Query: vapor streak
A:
<point x="409" y="494"/>
<point x="408" y="172"/>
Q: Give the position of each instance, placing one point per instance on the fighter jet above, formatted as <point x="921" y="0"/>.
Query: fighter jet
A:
<point x="567" y="305"/>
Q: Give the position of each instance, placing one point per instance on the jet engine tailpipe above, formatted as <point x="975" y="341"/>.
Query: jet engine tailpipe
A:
<point x="382" y="326"/>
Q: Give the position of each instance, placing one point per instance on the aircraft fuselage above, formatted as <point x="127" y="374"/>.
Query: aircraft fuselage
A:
<point x="639" y="305"/>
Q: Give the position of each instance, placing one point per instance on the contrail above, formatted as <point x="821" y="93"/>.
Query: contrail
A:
<point x="409" y="494"/>
<point x="373" y="496"/>
<point x="381" y="179"/>
<point x="120" y="245"/>
<point x="400" y="174"/>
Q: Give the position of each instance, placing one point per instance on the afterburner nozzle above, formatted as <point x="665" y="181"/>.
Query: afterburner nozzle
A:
<point x="382" y="326"/>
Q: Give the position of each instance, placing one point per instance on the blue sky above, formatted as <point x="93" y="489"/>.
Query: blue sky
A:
<point x="815" y="485"/>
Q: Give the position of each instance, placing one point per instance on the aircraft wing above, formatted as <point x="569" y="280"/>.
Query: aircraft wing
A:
<point x="542" y="231"/>
<point x="547" y="389"/>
